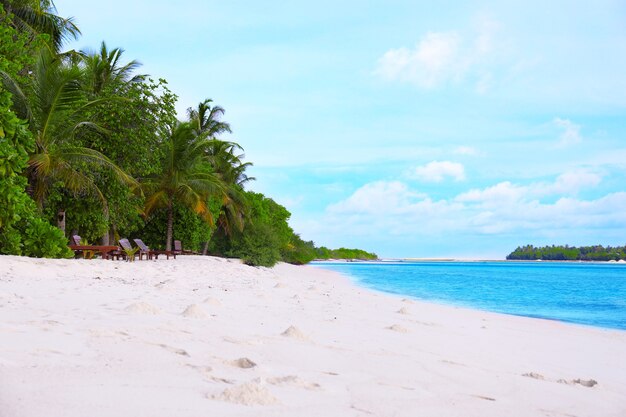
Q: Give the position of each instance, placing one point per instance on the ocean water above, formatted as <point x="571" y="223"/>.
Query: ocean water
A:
<point x="584" y="293"/>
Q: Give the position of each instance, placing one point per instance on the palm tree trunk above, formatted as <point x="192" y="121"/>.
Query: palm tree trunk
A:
<point x="61" y="220"/>
<point x="170" y="225"/>
<point x="105" y="236"/>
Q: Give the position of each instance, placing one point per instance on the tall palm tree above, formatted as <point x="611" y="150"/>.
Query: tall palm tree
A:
<point x="39" y="16"/>
<point x="206" y="119"/>
<point x="231" y="169"/>
<point x="55" y="110"/>
<point x="185" y="177"/>
<point x="104" y="69"/>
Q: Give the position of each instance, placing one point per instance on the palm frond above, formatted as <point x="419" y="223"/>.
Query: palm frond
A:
<point x="20" y="101"/>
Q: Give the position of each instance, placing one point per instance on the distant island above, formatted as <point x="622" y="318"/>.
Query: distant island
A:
<point x="569" y="253"/>
<point x="323" y="253"/>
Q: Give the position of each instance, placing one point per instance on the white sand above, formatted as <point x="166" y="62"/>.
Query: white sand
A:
<point x="200" y="336"/>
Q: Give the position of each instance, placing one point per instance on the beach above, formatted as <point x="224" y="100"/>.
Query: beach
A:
<point x="200" y="336"/>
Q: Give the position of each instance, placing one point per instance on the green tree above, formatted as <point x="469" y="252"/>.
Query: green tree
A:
<point x="35" y="17"/>
<point x="205" y="119"/>
<point x="104" y="71"/>
<point x="184" y="177"/>
<point x="55" y="109"/>
<point x="22" y="230"/>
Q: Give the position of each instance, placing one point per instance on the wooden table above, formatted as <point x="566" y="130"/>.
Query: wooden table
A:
<point x="103" y="250"/>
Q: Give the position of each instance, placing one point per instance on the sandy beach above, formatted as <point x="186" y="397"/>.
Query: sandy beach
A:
<point x="203" y="336"/>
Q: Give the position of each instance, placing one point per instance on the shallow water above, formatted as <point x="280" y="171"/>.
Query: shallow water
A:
<point x="584" y="293"/>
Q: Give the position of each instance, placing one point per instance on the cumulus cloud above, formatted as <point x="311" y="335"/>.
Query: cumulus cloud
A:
<point x="434" y="59"/>
<point x="442" y="57"/>
<point x="394" y="208"/>
<point x="567" y="184"/>
<point x="437" y="171"/>
<point x="570" y="132"/>
<point x="377" y="198"/>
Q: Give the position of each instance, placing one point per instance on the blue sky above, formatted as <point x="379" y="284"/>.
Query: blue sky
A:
<point x="408" y="128"/>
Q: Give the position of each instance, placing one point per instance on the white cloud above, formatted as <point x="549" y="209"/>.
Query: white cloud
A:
<point x="571" y="132"/>
<point x="437" y="171"/>
<point x="377" y="198"/>
<point x="443" y="57"/>
<point x="435" y="59"/>
<point x="394" y="208"/>
<point x="573" y="181"/>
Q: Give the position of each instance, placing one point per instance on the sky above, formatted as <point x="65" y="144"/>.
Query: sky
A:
<point x="408" y="128"/>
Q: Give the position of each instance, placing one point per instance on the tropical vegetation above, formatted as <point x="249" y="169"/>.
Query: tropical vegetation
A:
<point x="569" y="253"/>
<point x="90" y="146"/>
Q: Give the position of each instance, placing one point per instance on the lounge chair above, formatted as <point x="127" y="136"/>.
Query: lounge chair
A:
<point x="125" y="246"/>
<point x="143" y="248"/>
<point x="178" y="249"/>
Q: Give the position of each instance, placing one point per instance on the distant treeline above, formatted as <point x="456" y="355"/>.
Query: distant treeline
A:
<point x="344" y="253"/>
<point x="569" y="253"/>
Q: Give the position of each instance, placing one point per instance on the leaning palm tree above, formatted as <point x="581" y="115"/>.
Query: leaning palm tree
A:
<point x="185" y="177"/>
<point x="104" y="70"/>
<point x="55" y="110"/>
<point x="39" y="17"/>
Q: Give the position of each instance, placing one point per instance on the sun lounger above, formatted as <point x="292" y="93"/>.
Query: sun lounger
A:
<point x="144" y="249"/>
<point x="178" y="249"/>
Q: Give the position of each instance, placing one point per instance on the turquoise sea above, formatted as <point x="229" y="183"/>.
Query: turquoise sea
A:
<point x="585" y="293"/>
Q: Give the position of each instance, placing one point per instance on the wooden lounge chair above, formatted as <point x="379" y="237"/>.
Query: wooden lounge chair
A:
<point x="178" y="249"/>
<point x="143" y="248"/>
<point x="125" y="245"/>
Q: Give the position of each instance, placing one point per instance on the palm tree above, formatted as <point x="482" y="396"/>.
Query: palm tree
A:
<point x="231" y="169"/>
<point x="55" y="110"/>
<point x="206" y="119"/>
<point x="39" y="16"/>
<point x="104" y="69"/>
<point x="185" y="177"/>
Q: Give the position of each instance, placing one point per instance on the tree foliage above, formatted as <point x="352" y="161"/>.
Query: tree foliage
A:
<point x="80" y="131"/>
<point x="22" y="230"/>
<point x="568" y="253"/>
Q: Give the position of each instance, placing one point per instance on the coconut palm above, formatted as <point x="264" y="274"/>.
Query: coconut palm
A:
<point x="185" y="177"/>
<point x="55" y="110"/>
<point x="39" y="16"/>
<point x="104" y="69"/>
<point x="206" y="119"/>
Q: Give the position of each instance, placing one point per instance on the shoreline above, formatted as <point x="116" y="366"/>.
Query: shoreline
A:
<point x="202" y="335"/>
<point x="451" y="304"/>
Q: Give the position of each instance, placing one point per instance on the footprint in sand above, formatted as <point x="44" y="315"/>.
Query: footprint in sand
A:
<point x="398" y="328"/>
<point x="589" y="383"/>
<point x="280" y="285"/>
<point x="293" y="381"/>
<point x="172" y="349"/>
<point x="194" y="311"/>
<point x="142" y="308"/>
<point x="243" y="363"/>
<point x="295" y="333"/>
<point x="212" y="301"/>
<point x="403" y="310"/>
<point x="250" y="393"/>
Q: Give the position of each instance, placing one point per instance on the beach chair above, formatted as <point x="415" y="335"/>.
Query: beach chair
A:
<point x="125" y="245"/>
<point x="143" y="248"/>
<point x="178" y="249"/>
<point x="75" y="241"/>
